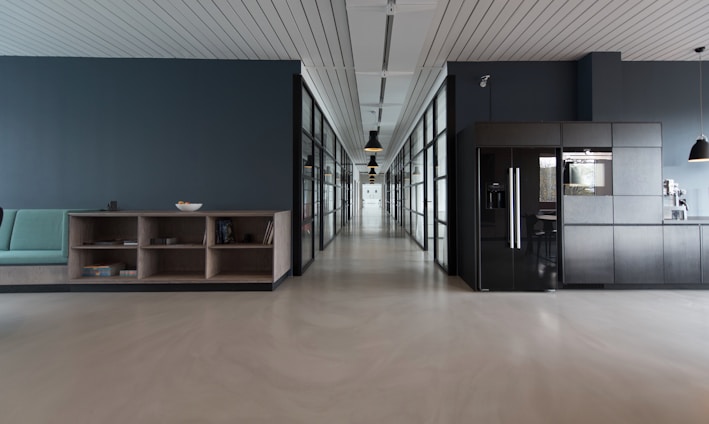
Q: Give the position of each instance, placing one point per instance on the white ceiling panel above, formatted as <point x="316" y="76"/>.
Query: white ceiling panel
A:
<point x="396" y="89"/>
<point x="368" y="87"/>
<point x="407" y="39"/>
<point x="390" y="116"/>
<point x="367" y="31"/>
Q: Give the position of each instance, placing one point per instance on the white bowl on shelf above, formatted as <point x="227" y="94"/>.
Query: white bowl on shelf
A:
<point x="188" y="207"/>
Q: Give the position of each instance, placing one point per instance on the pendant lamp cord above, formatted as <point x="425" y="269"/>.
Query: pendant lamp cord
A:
<point x="701" y="111"/>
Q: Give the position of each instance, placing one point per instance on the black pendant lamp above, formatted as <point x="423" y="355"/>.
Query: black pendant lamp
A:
<point x="700" y="150"/>
<point x="372" y="173"/>
<point x="373" y="145"/>
<point x="308" y="162"/>
<point x="372" y="162"/>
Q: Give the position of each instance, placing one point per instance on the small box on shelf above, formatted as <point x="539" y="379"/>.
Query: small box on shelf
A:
<point x="128" y="273"/>
<point x="102" y="270"/>
<point x="163" y="241"/>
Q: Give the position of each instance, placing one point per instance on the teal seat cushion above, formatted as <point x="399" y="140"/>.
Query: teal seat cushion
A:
<point x="8" y="221"/>
<point x="32" y="257"/>
<point x="39" y="229"/>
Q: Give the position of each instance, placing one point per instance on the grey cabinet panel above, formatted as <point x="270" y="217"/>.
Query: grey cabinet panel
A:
<point x="588" y="254"/>
<point x="638" y="253"/>
<point x="682" y="254"/>
<point x="637" y="209"/>
<point x="705" y="253"/>
<point x="637" y="171"/>
<point x="518" y="134"/>
<point x="637" y="135"/>
<point x="586" y="134"/>
<point x="588" y="209"/>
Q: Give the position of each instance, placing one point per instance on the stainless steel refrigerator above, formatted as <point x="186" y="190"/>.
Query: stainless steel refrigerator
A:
<point x="518" y="198"/>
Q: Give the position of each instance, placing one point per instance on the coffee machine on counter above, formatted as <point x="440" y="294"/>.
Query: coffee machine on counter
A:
<point x="674" y="206"/>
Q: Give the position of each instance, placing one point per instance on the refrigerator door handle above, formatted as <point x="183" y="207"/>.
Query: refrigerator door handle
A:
<point x="518" y="203"/>
<point x="511" y="208"/>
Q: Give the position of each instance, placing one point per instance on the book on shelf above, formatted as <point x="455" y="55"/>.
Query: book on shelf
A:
<point x="130" y="242"/>
<point x="104" y="242"/>
<point x="268" y="235"/>
<point x="224" y="231"/>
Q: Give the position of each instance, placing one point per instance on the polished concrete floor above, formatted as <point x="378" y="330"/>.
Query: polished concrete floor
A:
<point x="373" y="333"/>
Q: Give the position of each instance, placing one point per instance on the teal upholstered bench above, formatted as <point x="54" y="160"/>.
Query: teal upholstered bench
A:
<point x="34" y="248"/>
<point x="34" y="237"/>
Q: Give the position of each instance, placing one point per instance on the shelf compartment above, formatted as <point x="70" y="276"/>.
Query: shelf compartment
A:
<point x="247" y="229"/>
<point x="84" y="257"/>
<point x="88" y="229"/>
<point x="241" y="246"/>
<point x="173" y="247"/>
<point x="240" y="263"/>
<point x="175" y="277"/>
<point x="241" y="278"/>
<point x="189" y="230"/>
<point x="164" y="263"/>
<point x="104" y="280"/>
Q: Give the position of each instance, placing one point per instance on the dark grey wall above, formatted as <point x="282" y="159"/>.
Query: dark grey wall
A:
<point x="665" y="92"/>
<point x="668" y="92"/>
<point x="600" y="80"/>
<point x="516" y="91"/>
<point x="76" y="133"/>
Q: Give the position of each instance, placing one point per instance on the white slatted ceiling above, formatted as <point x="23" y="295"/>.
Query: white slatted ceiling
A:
<point x="318" y="32"/>
<point x="491" y="30"/>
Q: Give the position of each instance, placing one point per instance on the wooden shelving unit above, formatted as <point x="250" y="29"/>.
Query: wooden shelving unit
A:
<point x="195" y="257"/>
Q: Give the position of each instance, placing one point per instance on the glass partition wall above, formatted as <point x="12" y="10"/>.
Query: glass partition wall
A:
<point x="322" y="180"/>
<point x="420" y="181"/>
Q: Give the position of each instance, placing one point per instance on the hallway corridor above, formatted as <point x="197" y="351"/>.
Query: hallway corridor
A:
<point x="372" y="333"/>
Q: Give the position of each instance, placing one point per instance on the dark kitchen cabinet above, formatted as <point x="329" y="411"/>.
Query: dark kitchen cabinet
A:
<point x="682" y="254"/>
<point x="588" y="258"/>
<point x="638" y="254"/>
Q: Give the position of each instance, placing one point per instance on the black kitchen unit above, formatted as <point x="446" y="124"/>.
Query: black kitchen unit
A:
<point x="518" y="198"/>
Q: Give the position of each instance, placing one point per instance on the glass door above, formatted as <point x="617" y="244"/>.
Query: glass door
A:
<point x="517" y="218"/>
<point x="495" y="220"/>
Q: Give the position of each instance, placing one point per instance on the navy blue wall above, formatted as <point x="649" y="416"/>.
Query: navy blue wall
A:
<point x="76" y="133"/>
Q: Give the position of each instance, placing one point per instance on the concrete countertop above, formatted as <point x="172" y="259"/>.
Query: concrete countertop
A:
<point x="692" y="220"/>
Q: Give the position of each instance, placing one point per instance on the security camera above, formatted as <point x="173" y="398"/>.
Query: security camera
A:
<point x="483" y="80"/>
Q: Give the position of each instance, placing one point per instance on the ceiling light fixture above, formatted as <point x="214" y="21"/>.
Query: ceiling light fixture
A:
<point x="372" y="173"/>
<point x="373" y="145"/>
<point x="700" y="150"/>
<point x="372" y="162"/>
<point x="308" y="162"/>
